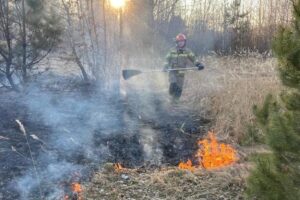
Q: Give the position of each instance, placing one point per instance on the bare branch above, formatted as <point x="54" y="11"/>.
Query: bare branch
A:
<point x="1" y="70"/>
<point x="2" y="53"/>
<point x="38" y="58"/>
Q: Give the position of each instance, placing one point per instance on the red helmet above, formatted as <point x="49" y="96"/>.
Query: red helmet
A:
<point x="180" y="37"/>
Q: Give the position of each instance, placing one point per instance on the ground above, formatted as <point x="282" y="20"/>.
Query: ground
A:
<point x="166" y="183"/>
<point x="73" y="130"/>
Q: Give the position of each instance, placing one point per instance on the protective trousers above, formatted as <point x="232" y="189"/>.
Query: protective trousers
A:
<point x="176" y="84"/>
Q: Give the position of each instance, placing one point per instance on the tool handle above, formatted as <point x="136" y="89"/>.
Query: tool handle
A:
<point x="183" y="69"/>
<point x="171" y="70"/>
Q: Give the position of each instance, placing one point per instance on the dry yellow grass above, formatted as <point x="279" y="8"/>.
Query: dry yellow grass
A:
<point x="229" y="88"/>
<point x="167" y="183"/>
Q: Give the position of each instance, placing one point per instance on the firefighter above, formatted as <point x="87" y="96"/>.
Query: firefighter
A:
<point x="179" y="57"/>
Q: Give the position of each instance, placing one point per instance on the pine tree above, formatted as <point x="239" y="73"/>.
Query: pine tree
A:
<point x="277" y="175"/>
<point x="29" y="30"/>
<point x="40" y="33"/>
<point x="237" y="20"/>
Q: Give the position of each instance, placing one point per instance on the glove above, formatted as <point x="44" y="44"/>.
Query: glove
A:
<point x="200" y="66"/>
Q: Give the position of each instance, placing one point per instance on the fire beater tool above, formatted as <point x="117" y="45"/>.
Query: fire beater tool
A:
<point x="128" y="73"/>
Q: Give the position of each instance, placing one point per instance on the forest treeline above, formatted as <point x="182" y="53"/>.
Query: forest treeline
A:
<point x="99" y="38"/>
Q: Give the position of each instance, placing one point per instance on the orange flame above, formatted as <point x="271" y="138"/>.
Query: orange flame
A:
<point x="76" y="187"/>
<point x="118" y="167"/>
<point x="187" y="166"/>
<point x="212" y="155"/>
<point x="77" y="192"/>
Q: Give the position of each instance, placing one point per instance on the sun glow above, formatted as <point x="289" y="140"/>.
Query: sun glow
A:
<point x="117" y="3"/>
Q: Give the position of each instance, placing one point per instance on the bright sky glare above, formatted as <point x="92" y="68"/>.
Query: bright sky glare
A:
<point x="117" y="3"/>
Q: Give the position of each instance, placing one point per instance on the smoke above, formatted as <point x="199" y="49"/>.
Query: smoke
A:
<point x="75" y="127"/>
<point x="79" y="127"/>
<point x="152" y="151"/>
<point x="72" y="120"/>
<point x="28" y="184"/>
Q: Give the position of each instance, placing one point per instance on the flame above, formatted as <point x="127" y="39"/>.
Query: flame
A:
<point x="76" y="192"/>
<point x="215" y="155"/>
<point x="118" y="167"/>
<point x="187" y="166"/>
<point x="212" y="155"/>
<point x="76" y="187"/>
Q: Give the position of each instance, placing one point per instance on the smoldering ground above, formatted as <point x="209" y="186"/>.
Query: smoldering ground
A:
<point x="71" y="133"/>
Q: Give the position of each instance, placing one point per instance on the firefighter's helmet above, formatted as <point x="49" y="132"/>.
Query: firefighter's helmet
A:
<point x="180" y="37"/>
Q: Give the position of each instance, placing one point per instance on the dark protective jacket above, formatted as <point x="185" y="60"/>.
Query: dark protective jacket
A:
<point x="179" y="58"/>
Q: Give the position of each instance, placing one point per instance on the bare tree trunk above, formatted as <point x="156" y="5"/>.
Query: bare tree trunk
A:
<point x="24" y="44"/>
<point x="72" y="44"/>
<point x="78" y="62"/>
<point x="224" y="27"/>
<point x="90" y="34"/>
<point x="9" y="56"/>
<point x="82" y="21"/>
<point x="9" y="76"/>
<point x="96" y="41"/>
<point x="105" y="34"/>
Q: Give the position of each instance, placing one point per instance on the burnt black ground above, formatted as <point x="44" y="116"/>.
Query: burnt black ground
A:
<point x="176" y="128"/>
